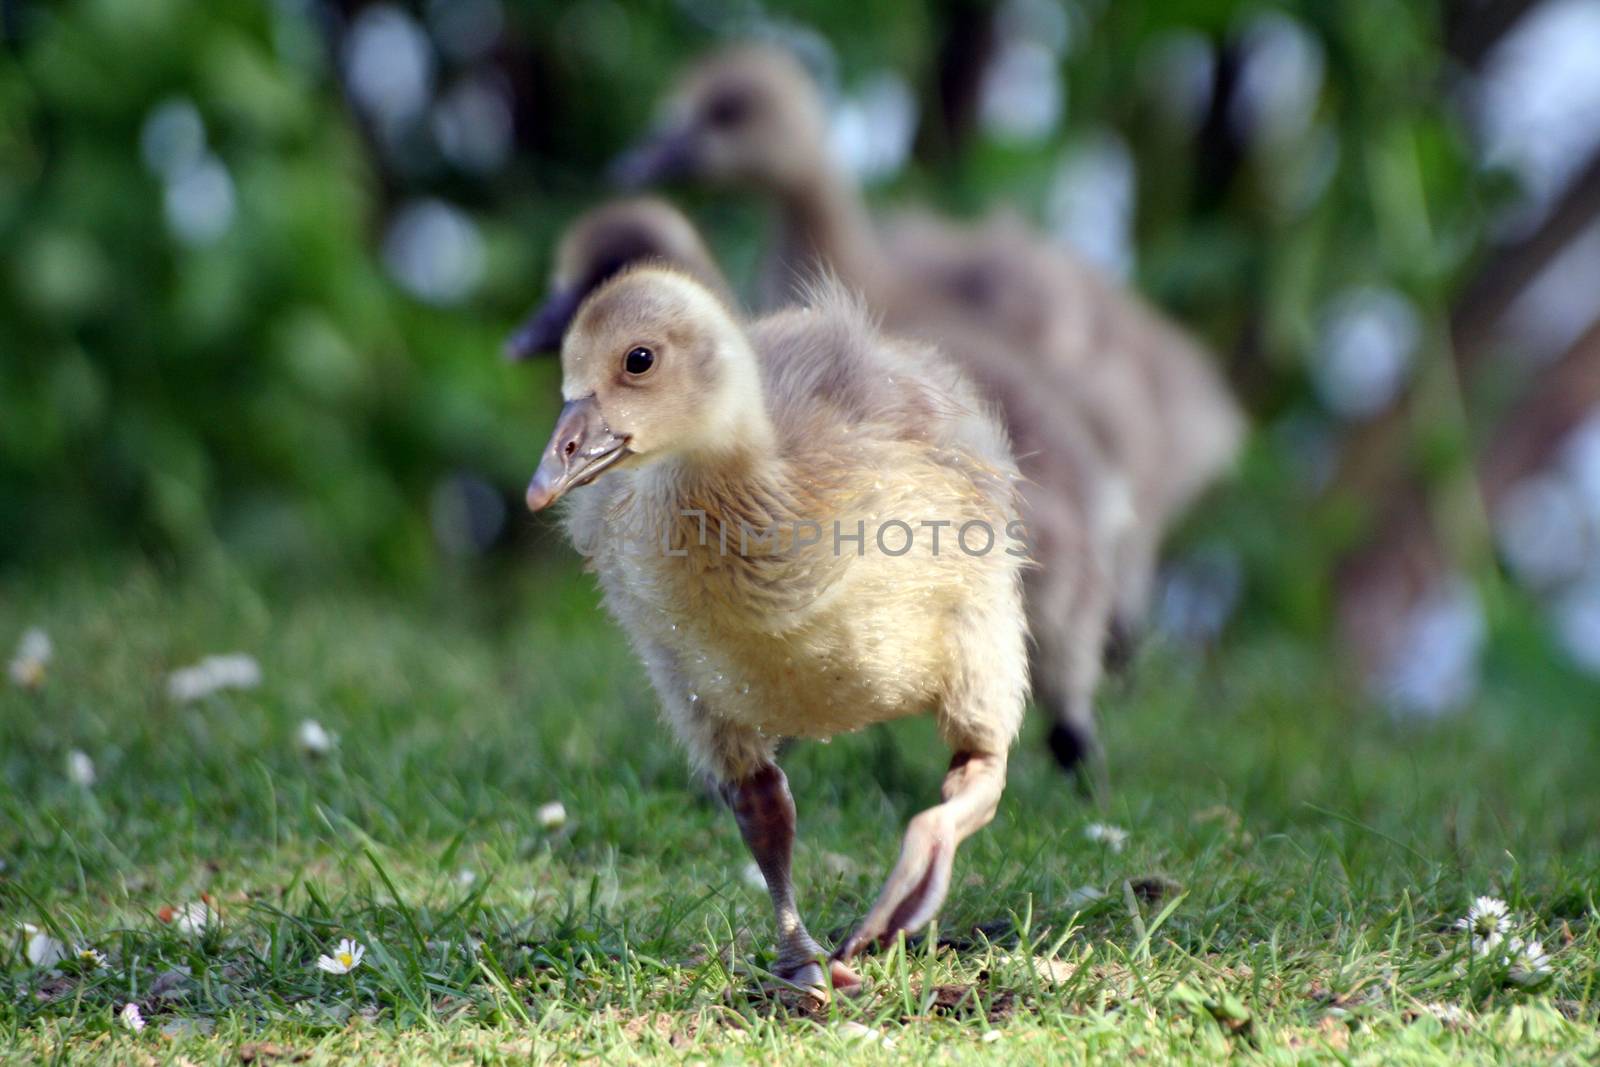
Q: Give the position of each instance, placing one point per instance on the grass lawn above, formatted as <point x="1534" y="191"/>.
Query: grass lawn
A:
<point x="1293" y="866"/>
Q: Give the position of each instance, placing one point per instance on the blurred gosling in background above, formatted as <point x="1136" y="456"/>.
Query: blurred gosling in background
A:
<point x="751" y="117"/>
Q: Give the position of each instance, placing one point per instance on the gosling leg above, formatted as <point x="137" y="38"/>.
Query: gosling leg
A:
<point x="764" y="809"/>
<point x="921" y="878"/>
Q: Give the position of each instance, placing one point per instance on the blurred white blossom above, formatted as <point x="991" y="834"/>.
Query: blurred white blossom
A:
<point x="80" y="769"/>
<point x="312" y="739"/>
<point x="1434" y="668"/>
<point x="872" y="130"/>
<point x="388" y="64"/>
<point x="1083" y="896"/>
<point x="1113" y="837"/>
<point x="198" y="196"/>
<point x="1551" y="312"/>
<point x="28" y="663"/>
<point x="1091" y="202"/>
<point x="1528" y="961"/>
<point x="434" y="251"/>
<point x="1280" y="81"/>
<point x="1199" y="592"/>
<point x="750" y="874"/>
<point x="1365" y="349"/>
<point x="173" y="138"/>
<point x="1022" y="97"/>
<point x="1537" y="99"/>
<point x="871" y="1035"/>
<point x="236" y="670"/>
<point x="551" y="816"/>
<point x="130" y="1017"/>
<point x="1580" y="462"/>
<point x="199" y="202"/>
<point x="1576" y="615"/>
<point x="196" y="917"/>
<point x="39" y="948"/>
<point x="1542" y="531"/>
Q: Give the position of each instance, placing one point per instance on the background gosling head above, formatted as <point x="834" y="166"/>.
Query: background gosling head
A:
<point x="749" y="115"/>
<point x="600" y="245"/>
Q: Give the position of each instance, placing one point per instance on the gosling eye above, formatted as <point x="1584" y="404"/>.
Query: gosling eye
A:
<point x="639" y="360"/>
<point x="728" y="110"/>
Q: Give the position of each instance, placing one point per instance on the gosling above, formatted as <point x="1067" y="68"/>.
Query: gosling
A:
<point x="1075" y="508"/>
<point x="742" y="483"/>
<point x="750" y="116"/>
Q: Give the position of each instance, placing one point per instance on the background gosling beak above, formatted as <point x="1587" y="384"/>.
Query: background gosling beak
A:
<point x="581" y="447"/>
<point x="542" y="331"/>
<point x="664" y="155"/>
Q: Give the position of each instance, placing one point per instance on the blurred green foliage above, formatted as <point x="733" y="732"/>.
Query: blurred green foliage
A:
<point x="276" y="395"/>
<point x="271" y="390"/>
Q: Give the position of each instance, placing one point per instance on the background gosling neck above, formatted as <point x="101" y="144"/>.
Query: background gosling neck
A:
<point x="825" y="227"/>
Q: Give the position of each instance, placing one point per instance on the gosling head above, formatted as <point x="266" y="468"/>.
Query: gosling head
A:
<point x="748" y="116"/>
<point x="598" y="246"/>
<point x="654" y="366"/>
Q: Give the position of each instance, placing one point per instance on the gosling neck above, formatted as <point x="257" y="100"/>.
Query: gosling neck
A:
<point x="824" y="226"/>
<point x="736" y="427"/>
<point x="724" y="480"/>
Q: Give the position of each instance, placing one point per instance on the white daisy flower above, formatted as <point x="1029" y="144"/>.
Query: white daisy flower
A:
<point x="80" y="769"/>
<point x="551" y="816"/>
<point x="312" y="739"/>
<point x="1529" y="963"/>
<point x="1113" y="837"/>
<point x="1488" y="920"/>
<point x="91" y="958"/>
<point x="31" y="658"/>
<point x="212" y="674"/>
<point x="991" y="1036"/>
<point x="40" y="948"/>
<point x="130" y="1017"/>
<point x="345" y="958"/>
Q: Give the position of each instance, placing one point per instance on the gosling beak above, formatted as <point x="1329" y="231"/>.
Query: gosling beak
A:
<point x="581" y="447"/>
<point x="542" y="331"/>
<point x="664" y="155"/>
